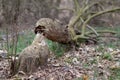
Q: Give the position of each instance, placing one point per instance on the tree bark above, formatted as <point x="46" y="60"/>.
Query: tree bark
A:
<point x="53" y="30"/>
<point x="34" y="55"/>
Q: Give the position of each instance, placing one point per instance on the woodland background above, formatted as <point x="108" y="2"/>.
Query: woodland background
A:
<point x="25" y="13"/>
<point x="18" y="18"/>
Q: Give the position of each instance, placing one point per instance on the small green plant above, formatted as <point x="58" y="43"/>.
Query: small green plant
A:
<point x="107" y="56"/>
<point x="86" y="65"/>
<point x="24" y="40"/>
<point x="115" y="74"/>
<point x="57" y="48"/>
<point x="100" y="48"/>
<point x="94" y="61"/>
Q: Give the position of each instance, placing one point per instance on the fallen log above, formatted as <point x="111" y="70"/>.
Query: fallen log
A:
<point x="53" y="30"/>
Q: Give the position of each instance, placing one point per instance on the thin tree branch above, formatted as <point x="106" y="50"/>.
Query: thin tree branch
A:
<point x="76" y="18"/>
<point x="72" y="10"/>
<point x="77" y="6"/>
<point x="101" y="31"/>
<point x="91" y="28"/>
<point x="94" y="15"/>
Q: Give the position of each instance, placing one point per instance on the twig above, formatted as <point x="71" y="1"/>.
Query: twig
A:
<point x="77" y="6"/>
<point x="81" y="37"/>
<point x="72" y="10"/>
<point x="91" y="28"/>
<point x="101" y="31"/>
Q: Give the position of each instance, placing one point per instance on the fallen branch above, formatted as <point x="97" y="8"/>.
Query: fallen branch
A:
<point x="91" y="28"/>
<point x="100" y="31"/>
<point x="95" y="15"/>
<point x="76" y="18"/>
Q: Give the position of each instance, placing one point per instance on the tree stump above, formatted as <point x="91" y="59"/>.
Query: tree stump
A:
<point x="34" y="55"/>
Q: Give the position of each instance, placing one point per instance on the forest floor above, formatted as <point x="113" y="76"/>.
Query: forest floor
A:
<point x="88" y="62"/>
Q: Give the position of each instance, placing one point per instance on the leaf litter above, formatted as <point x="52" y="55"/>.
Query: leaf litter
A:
<point x="87" y="63"/>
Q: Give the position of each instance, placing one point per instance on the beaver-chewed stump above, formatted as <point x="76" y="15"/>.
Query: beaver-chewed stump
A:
<point x="34" y="55"/>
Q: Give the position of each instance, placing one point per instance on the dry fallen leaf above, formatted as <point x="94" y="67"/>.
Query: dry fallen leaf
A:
<point x="85" y="77"/>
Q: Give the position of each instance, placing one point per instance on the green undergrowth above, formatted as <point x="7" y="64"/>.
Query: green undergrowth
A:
<point x="110" y="42"/>
<point x="26" y="39"/>
<point x="113" y="41"/>
<point x="23" y="41"/>
<point x="57" y="48"/>
<point x="115" y="74"/>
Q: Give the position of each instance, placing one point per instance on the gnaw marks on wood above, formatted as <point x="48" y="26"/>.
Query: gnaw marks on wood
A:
<point x="53" y="30"/>
<point x="34" y="55"/>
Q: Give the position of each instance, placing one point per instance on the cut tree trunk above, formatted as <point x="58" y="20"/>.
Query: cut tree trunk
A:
<point x="34" y="55"/>
<point x="53" y="30"/>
